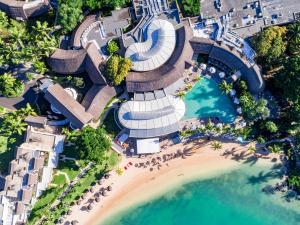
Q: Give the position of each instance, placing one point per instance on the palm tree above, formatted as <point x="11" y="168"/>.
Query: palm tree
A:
<point x="180" y="94"/>
<point x="252" y="149"/>
<point x="13" y="125"/>
<point x="274" y="148"/>
<point x="119" y="171"/>
<point x="225" y="87"/>
<point x="216" y="145"/>
<point x="40" y="67"/>
<point x="27" y="111"/>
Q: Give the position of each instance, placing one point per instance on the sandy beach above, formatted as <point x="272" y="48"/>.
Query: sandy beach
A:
<point x="137" y="185"/>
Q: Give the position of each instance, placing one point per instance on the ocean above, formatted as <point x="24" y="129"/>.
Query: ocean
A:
<point x="233" y="198"/>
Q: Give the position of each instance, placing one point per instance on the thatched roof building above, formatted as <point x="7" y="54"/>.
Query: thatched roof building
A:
<point x="23" y="10"/>
<point x="67" y="105"/>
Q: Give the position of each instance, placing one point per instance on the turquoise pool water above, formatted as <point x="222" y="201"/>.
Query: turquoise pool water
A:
<point x="234" y="198"/>
<point x="206" y="100"/>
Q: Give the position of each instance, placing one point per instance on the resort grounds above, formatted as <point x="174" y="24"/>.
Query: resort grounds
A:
<point x="147" y="177"/>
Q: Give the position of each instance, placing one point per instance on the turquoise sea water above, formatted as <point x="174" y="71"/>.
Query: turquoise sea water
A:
<point x="234" y="198"/>
<point x="206" y="100"/>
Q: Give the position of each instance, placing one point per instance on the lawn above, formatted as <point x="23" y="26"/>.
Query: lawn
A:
<point x="110" y="125"/>
<point x="69" y="167"/>
<point x="59" y="180"/>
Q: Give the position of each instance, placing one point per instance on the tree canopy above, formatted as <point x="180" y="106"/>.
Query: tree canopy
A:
<point x="293" y="35"/>
<point x="13" y="122"/>
<point x="93" y="144"/>
<point x="21" y="43"/>
<point x="10" y="86"/>
<point x="69" y="14"/>
<point x="190" y="7"/>
<point x="271" y="42"/>
<point x="117" y="69"/>
<point x="112" y="47"/>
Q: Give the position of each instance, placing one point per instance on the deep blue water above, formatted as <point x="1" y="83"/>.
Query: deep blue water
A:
<point x="234" y="198"/>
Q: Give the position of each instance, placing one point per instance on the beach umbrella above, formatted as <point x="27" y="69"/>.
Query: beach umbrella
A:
<point x="90" y="207"/>
<point x="100" y="182"/>
<point x="236" y="101"/>
<point x="69" y="212"/>
<point x="106" y="176"/>
<point x="109" y="188"/>
<point x="239" y="110"/>
<point x="221" y="74"/>
<point x="104" y="193"/>
<point x="203" y="66"/>
<point x="212" y="70"/>
<point x="232" y="92"/>
<point x="74" y="222"/>
<point x="97" y="199"/>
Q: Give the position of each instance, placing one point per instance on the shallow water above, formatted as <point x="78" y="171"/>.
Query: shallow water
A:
<point x="206" y="100"/>
<point x="233" y="198"/>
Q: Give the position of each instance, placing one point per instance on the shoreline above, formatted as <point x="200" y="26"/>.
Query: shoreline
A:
<point x="138" y="185"/>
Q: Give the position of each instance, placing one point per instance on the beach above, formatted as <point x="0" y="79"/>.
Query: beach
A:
<point x="137" y="185"/>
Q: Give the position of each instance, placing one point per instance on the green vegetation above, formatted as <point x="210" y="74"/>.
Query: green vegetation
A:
<point x="10" y="86"/>
<point x="59" y="179"/>
<point x="70" y="12"/>
<point x="93" y="144"/>
<point x="252" y="109"/>
<point x="216" y="145"/>
<point x="117" y="69"/>
<point x="69" y="167"/>
<point x="278" y="53"/>
<point x="112" y="47"/>
<point x="110" y="125"/>
<point x="189" y="8"/>
<point x="42" y="207"/>
<point x="271" y="42"/>
<point x="225" y="87"/>
<point x="21" y="43"/>
<point x="13" y="122"/>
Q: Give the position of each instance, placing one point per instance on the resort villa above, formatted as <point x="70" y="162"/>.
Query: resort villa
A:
<point x="30" y="172"/>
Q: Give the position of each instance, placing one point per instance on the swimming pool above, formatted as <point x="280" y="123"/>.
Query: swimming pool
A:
<point x="206" y="100"/>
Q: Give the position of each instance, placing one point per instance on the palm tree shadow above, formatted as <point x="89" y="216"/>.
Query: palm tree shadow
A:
<point x="263" y="177"/>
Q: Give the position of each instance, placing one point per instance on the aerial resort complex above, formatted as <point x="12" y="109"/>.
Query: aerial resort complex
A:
<point x="101" y="102"/>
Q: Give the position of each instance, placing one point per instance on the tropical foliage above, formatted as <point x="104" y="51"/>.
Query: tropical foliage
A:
<point x="70" y="12"/>
<point x="225" y="87"/>
<point x="13" y="122"/>
<point x="252" y="109"/>
<point x="112" y="47"/>
<point x="10" y="86"/>
<point x="216" y="145"/>
<point x="93" y="144"/>
<point x="117" y="68"/>
<point x="190" y="8"/>
<point x="20" y="43"/>
<point x="271" y="43"/>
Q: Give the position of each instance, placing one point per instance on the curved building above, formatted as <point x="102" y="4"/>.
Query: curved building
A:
<point x="156" y="50"/>
<point x="152" y="118"/>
